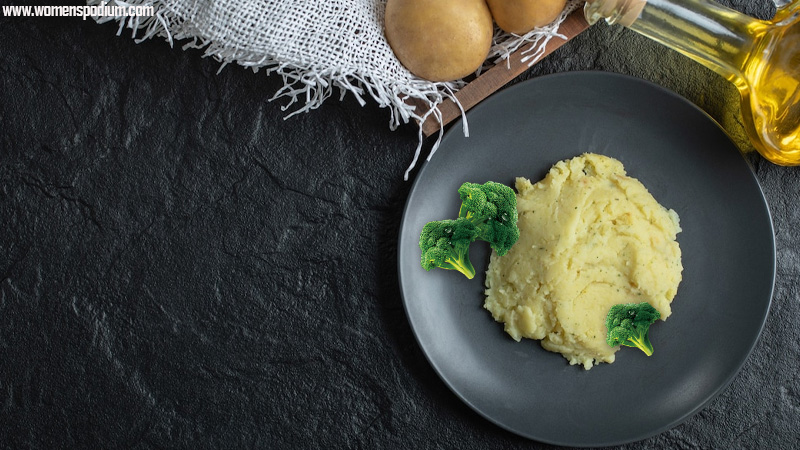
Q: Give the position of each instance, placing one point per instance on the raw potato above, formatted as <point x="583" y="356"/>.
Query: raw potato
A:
<point x="439" y="40"/>
<point x="522" y="16"/>
<point x="590" y="237"/>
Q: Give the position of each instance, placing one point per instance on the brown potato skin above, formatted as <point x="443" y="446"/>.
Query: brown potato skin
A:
<point x="439" y="40"/>
<point x="522" y="16"/>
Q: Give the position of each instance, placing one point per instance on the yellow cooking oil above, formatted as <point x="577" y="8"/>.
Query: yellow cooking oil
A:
<point x="773" y="96"/>
<point x="761" y="58"/>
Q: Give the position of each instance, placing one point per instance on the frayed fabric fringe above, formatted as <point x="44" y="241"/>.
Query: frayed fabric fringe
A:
<point x="307" y="82"/>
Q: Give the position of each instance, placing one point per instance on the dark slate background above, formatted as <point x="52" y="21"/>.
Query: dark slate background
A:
<point x="180" y="267"/>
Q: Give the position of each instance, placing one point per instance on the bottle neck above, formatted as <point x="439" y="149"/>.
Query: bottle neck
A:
<point x="717" y="37"/>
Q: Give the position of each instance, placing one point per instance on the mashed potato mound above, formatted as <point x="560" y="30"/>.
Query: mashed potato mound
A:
<point x="590" y="237"/>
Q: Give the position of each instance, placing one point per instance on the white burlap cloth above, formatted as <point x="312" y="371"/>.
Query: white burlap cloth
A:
<point x="318" y="47"/>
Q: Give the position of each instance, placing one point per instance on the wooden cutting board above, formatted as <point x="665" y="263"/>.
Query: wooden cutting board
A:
<point x="499" y="75"/>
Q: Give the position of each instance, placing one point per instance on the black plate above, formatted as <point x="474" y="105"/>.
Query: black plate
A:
<point x="689" y="164"/>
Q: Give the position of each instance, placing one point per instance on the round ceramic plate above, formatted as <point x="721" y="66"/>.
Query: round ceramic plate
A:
<point x="690" y="165"/>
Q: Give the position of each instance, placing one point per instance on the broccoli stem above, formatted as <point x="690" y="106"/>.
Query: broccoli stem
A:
<point x="464" y="266"/>
<point x="463" y="212"/>
<point x="643" y="344"/>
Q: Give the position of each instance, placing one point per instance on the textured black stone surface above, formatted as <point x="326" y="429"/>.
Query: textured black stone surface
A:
<point x="180" y="267"/>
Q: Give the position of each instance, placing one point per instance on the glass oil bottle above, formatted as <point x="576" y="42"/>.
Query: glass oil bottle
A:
<point x="761" y="58"/>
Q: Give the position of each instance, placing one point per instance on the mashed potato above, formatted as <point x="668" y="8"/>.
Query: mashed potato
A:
<point x="590" y="237"/>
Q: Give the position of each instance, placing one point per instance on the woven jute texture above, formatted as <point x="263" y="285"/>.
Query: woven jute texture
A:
<point x="320" y="48"/>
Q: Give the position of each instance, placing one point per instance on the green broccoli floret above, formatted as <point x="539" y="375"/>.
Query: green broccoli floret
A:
<point x="628" y="324"/>
<point x="445" y="244"/>
<point x="492" y="207"/>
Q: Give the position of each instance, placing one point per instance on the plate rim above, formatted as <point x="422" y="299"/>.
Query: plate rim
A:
<point x="713" y="394"/>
